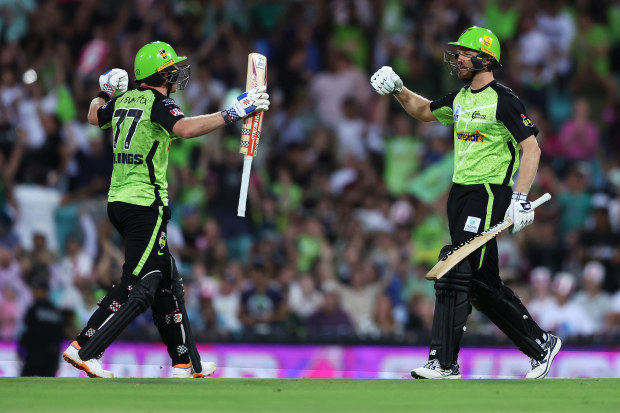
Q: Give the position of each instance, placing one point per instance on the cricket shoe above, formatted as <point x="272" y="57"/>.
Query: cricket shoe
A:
<point x="432" y="370"/>
<point x="186" y="371"/>
<point x="91" y="367"/>
<point x="541" y="368"/>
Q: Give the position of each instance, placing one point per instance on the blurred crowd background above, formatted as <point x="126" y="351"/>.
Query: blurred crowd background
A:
<point x="347" y="201"/>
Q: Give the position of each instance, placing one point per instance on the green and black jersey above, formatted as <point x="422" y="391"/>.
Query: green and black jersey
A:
<point x="489" y="123"/>
<point x="142" y="122"/>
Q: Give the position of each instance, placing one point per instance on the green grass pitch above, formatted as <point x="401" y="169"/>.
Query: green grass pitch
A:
<point x="307" y="395"/>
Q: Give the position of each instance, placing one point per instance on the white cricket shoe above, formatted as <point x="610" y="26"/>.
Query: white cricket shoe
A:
<point x="91" y="367"/>
<point x="432" y="370"/>
<point x="541" y="368"/>
<point x="186" y="371"/>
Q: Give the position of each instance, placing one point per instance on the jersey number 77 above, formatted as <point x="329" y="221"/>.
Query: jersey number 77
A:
<point x="122" y="115"/>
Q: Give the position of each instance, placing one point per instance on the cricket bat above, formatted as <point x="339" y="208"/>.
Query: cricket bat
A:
<point x="462" y="251"/>
<point x="250" y="129"/>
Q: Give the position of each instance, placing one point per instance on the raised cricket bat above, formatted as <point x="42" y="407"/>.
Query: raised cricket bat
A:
<point x="462" y="251"/>
<point x="250" y="129"/>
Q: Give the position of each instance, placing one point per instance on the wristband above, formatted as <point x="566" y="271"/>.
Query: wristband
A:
<point x="519" y="196"/>
<point x="226" y="116"/>
<point x="103" y="95"/>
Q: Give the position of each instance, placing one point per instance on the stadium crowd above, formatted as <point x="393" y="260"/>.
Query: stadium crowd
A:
<point x="346" y="205"/>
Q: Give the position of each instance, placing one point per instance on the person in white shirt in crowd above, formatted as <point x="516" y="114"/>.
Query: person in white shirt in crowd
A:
<point x="542" y="300"/>
<point x="304" y="299"/>
<point x="226" y="303"/>
<point x="592" y="299"/>
<point x="566" y="318"/>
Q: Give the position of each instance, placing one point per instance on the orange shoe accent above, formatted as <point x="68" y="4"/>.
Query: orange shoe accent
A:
<point x="183" y="366"/>
<point x="80" y="366"/>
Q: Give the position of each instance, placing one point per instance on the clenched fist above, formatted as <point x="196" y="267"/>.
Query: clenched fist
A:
<point x="113" y="80"/>
<point x="385" y="81"/>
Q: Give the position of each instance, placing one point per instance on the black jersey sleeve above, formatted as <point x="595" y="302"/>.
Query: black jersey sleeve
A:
<point x="443" y="108"/>
<point x="105" y="114"/>
<point x="511" y="112"/>
<point x="166" y="112"/>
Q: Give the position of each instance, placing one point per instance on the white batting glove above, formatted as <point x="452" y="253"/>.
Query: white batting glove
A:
<point x="249" y="102"/>
<point x="114" y="80"/>
<point x="385" y="81"/>
<point x="520" y="212"/>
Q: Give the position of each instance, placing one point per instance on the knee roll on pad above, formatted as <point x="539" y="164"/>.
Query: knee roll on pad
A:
<point x="116" y="297"/>
<point x="457" y="279"/>
<point x="143" y="293"/>
<point x="505" y="309"/>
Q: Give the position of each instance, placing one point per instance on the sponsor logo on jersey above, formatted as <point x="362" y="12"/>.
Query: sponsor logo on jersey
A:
<point x="526" y="121"/>
<point x="472" y="224"/>
<point x="128" y="158"/>
<point x="478" y="115"/>
<point x="177" y="112"/>
<point x="457" y="112"/>
<point x="470" y="136"/>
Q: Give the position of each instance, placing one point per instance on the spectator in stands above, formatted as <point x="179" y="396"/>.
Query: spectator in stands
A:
<point x="330" y="321"/>
<point x="542" y="300"/>
<point x="566" y="318"/>
<point x="599" y="242"/>
<point x="262" y="309"/>
<point x="579" y="136"/>
<point x="591" y="298"/>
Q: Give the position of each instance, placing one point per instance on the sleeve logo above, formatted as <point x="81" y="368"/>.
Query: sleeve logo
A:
<point x="457" y="113"/>
<point x="526" y="121"/>
<point x="177" y="112"/>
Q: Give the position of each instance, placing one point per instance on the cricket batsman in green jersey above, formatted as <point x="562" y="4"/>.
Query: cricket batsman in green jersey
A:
<point x="144" y="121"/>
<point x="490" y="128"/>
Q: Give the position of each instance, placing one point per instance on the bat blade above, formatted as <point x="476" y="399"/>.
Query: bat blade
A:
<point x="251" y="127"/>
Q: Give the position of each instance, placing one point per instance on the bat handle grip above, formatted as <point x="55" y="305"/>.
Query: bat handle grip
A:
<point x="245" y="182"/>
<point x="538" y="202"/>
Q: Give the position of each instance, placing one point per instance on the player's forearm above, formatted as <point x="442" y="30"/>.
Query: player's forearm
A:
<point x="95" y="104"/>
<point x="195" y="126"/>
<point x="528" y="168"/>
<point x="417" y="106"/>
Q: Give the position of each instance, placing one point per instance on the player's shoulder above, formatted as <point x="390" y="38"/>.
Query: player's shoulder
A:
<point x="503" y="90"/>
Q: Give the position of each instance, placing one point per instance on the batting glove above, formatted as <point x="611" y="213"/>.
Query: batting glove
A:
<point x="114" y="80"/>
<point x="520" y="212"/>
<point x="249" y="102"/>
<point x="385" y="81"/>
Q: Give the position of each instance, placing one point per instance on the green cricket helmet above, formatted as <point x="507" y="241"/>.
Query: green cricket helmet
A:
<point x="479" y="39"/>
<point x="159" y="59"/>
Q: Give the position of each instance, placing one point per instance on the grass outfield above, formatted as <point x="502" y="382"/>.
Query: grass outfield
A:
<point x="307" y="395"/>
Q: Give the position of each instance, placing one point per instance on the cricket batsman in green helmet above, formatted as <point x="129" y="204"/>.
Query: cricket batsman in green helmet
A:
<point x="143" y="122"/>
<point x="491" y="128"/>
